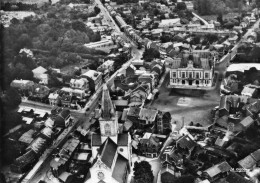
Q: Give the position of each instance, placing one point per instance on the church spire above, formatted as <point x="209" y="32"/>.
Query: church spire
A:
<point x="107" y="107"/>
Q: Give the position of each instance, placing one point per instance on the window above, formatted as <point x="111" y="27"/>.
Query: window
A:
<point x="183" y="74"/>
<point x="121" y="149"/>
<point x="174" y="75"/>
<point x="107" y="129"/>
<point x="190" y="74"/>
<point x="197" y="75"/>
<point x="206" y="75"/>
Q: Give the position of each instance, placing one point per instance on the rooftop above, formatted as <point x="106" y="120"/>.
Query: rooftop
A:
<point x="120" y="170"/>
<point x="107" y="152"/>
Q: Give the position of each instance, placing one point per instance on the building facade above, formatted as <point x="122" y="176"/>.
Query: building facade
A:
<point x="193" y="70"/>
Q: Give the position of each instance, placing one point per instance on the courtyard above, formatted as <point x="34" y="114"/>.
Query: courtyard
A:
<point x="188" y="105"/>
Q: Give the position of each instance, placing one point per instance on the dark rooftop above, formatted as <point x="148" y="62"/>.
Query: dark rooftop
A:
<point x="186" y="142"/>
<point x="122" y="139"/>
<point x="234" y="177"/>
<point x="96" y="140"/>
<point x="108" y="151"/>
<point x="120" y="169"/>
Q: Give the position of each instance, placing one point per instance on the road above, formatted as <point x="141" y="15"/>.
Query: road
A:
<point x="201" y="19"/>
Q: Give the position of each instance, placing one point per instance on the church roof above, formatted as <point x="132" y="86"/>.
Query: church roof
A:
<point x="120" y="169"/>
<point x="122" y="139"/>
<point x="107" y="105"/>
<point x="108" y="151"/>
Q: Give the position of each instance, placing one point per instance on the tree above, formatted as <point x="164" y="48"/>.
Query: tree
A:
<point x="15" y="21"/>
<point x="12" y="99"/>
<point x="156" y="11"/>
<point x="143" y="172"/>
<point x="20" y="71"/>
<point x="97" y="10"/>
<point x="79" y="25"/>
<point x="150" y="54"/>
<point x="220" y="18"/>
<point x="181" y="6"/>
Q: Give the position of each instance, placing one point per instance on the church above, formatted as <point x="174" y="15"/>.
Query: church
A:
<point x="111" y="150"/>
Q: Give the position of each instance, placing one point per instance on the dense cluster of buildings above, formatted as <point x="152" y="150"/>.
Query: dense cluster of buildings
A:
<point x="35" y="135"/>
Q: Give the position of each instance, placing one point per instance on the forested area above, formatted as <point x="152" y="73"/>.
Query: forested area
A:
<point x="56" y="35"/>
<point x="209" y="7"/>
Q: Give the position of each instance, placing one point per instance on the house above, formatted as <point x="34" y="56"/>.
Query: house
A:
<point x="78" y="93"/>
<point x="163" y="122"/>
<point x="224" y="106"/>
<point x="40" y="73"/>
<point x="235" y="177"/>
<point x="107" y="67"/>
<point x="100" y="44"/>
<point x="22" y="84"/>
<point x="148" y="78"/>
<point x="250" y="91"/>
<point x="54" y="99"/>
<point x="157" y="33"/>
<point x="169" y="22"/>
<point x="138" y="96"/>
<point x="63" y="119"/>
<point x="247" y="122"/>
<point x="192" y="71"/>
<point x="167" y="172"/>
<point x="81" y="84"/>
<point x="133" y="115"/>
<point x="149" y="146"/>
<point x="130" y="71"/>
<point x="157" y="70"/>
<point x="27" y="137"/>
<point x="40" y="92"/>
<point x="189" y="5"/>
<point x="94" y="78"/>
<point x="66" y="152"/>
<point x="47" y="133"/>
<point x="165" y="47"/>
<point x="147" y="116"/>
<point x="251" y="161"/>
<point x="44" y="78"/>
<point x="26" y="52"/>
<point x="186" y="144"/>
<point x="23" y="163"/>
<point x="120" y="104"/>
<point x="215" y="172"/>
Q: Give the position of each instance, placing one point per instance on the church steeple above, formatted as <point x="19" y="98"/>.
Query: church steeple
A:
<point x="108" y="121"/>
<point x="107" y="107"/>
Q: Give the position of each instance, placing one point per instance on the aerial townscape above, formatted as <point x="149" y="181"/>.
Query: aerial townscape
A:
<point x="130" y="91"/>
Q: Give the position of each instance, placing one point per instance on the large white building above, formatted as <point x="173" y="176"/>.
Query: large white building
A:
<point x="94" y="78"/>
<point x="111" y="151"/>
<point x="194" y="70"/>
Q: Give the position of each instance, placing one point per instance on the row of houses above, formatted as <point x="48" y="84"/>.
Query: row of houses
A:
<point x="40" y="133"/>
